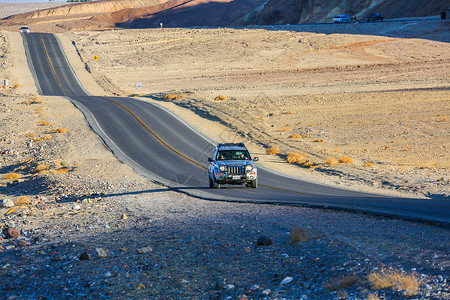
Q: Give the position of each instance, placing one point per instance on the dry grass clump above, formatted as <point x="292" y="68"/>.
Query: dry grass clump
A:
<point x="386" y="279"/>
<point x="319" y="140"/>
<point x="173" y="96"/>
<point x="297" y="234"/>
<point x="273" y="150"/>
<point x="39" y="109"/>
<point x="368" y="164"/>
<point x="331" y="162"/>
<point x="341" y="282"/>
<point x="295" y="157"/>
<point x="12" y="175"/>
<point x="283" y="129"/>
<point x="47" y="137"/>
<point x="43" y="123"/>
<point x="288" y="112"/>
<point x="295" y="136"/>
<point x="221" y="97"/>
<point x="57" y="130"/>
<point x="16" y="86"/>
<point x="62" y="170"/>
<point x="22" y="200"/>
<point x="346" y="160"/>
<point x="40" y="167"/>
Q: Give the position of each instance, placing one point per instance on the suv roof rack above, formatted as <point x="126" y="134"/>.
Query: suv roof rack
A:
<point x="220" y="145"/>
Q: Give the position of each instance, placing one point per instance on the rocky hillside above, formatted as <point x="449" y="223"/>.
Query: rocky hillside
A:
<point x="106" y="14"/>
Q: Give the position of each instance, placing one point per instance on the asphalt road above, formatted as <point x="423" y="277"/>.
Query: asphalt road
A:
<point x="162" y="147"/>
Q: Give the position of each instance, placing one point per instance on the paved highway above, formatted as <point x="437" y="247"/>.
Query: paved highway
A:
<point x="162" y="147"/>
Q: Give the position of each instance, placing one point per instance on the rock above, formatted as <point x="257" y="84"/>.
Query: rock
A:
<point x="76" y="207"/>
<point x="6" y="203"/>
<point x="85" y="256"/>
<point x="264" y="241"/>
<point x="287" y="280"/>
<point x="23" y="243"/>
<point x="144" y="250"/>
<point x="124" y="217"/>
<point x="11" y="233"/>
<point x="108" y="274"/>
<point x="102" y="252"/>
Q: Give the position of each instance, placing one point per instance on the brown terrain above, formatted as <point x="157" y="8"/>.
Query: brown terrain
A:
<point x="366" y="106"/>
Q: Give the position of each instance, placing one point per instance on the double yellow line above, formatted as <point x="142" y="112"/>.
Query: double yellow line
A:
<point x="51" y="65"/>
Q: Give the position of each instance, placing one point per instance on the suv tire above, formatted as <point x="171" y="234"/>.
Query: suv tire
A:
<point x="255" y="183"/>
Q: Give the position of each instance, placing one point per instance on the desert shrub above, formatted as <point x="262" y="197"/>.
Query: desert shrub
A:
<point x="16" y="86"/>
<point x="57" y="130"/>
<point x="22" y="200"/>
<point x="62" y="170"/>
<point x="35" y="98"/>
<point x="12" y="175"/>
<point x="341" y="283"/>
<point x="40" y="167"/>
<point x="346" y="160"/>
<point x="273" y="150"/>
<point x="319" y="140"/>
<point x="31" y="135"/>
<point x="44" y="123"/>
<point x="386" y="279"/>
<point x="47" y="137"/>
<point x="173" y="96"/>
<point x="221" y="97"/>
<point x="297" y="234"/>
<point x="368" y="164"/>
<point x="39" y="109"/>
<point x="332" y="162"/>
<point x="295" y="136"/>
<point x="288" y="112"/>
<point x="283" y="129"/>
<point x="294" y="157"/>
<point x="43" y="172"/>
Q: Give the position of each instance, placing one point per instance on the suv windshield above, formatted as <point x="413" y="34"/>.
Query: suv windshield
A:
<point x="233" y="155"/>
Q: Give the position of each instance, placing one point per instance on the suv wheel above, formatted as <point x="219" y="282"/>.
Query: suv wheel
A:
<point x="213" y="183"/>
<point x="255" y="183"/>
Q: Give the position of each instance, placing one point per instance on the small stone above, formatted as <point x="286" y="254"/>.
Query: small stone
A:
<point x="124" y="217"/>
<point x="108" y="274"/>
<point x="102" y="252"/>
<point x="264" y="241"/>
<point x="23" y="243"/>
<point x="85" y="256"/>
<point x="6" y="203"/>
<point x="76" y="207"/>
<point x="11" y="233"/>
<point x="266" y="292"/>
<point x="287" y="280"/>
<point x="184" y="281"/>
<point x="229" y="286"/>
<point x="144" y="250"/>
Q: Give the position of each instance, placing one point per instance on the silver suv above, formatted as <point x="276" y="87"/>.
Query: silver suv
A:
<point x="231" y="163"/>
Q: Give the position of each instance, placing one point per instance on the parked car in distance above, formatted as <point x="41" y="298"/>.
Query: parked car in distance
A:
<point x="25" y="29"/>
<point x="375" y="17"/>
<point x="347" y="18"/>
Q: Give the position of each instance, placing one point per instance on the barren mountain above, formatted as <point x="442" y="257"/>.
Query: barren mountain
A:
<point x="107" y="14"/>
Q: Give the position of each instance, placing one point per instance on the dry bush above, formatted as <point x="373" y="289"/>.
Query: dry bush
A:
<point x="31" y="135"/>
<point x="386" y="279"/>
<point x="57" y="130"/>
<point x="283" y="129"/>
<point x="221" y="97"/>
<point x="30" y="159"/>
<point x="16" y="86"/>
<point x="173" y="96"/>
<point x="288" y="112"/>
<point x="40" y="167"/>
<point x="331" y="162"/>
<point x="341" y="283"/>
<point x="22" y="200"/>
<point x="273" y="150"/>
<point x="346" y="160"/>
<point x="368" y="164"/>
<point x="295" y="136"/>
<point x="43" y="123"/>
<point x="443" y="118"/>
<point x="47" y="137"/>
<point x="319" y="140"/>
<point x="12" y="175"/>
<point x="62" y="170"/>
<point x="298" y="234"/>
<point x="294" y="157"/>
<point x="43" y="172"/>
<point x="37" y="139"/>
<point x="387" y="148"/>
<point x="35" y="98"/>
<point x="39" y="109"/>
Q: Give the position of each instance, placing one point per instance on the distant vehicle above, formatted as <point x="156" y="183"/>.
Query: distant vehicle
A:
<point x="25" y="29"/>
<point x="231" y="163"/>
<point x="375" y="17"/>
<point x="347" y="18"/>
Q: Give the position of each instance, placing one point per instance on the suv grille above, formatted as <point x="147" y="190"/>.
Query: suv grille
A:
<point x="236" y="170"/>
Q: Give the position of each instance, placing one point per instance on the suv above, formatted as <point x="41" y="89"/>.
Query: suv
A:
<point x="25" y="29"/>
<point x="343" y="19"/>
<point x="375" y="17"/>
<point x="231" y="163"/>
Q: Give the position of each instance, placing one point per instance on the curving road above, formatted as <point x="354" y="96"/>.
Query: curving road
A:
<point x="162" y="147"/>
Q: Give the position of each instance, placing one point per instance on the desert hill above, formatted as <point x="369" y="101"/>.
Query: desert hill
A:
<point x="107" y="14"/>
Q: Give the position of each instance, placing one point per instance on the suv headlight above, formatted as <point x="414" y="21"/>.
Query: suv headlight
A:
<point x="248" y="167"/>
<point x="223" y="168"/>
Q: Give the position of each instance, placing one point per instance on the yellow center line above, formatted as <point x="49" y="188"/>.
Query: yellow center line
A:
<point x="51" y="65"/>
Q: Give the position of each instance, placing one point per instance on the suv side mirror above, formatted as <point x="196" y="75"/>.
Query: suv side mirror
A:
<point x="255" y="158"/>
<point x="210" y="159"/>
